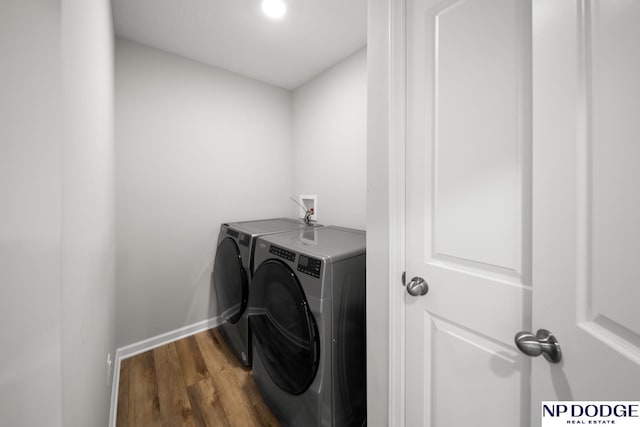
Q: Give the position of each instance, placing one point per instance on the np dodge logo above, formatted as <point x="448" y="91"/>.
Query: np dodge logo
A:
<point x="619" y="414"/>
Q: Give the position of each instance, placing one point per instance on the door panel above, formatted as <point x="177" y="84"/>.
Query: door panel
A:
<point x="285" y="332"/>
<point x="468" y="210"/>
<point x="586" y="199"/>
<point x="477" y="140"/>
<point x="481" y="366"/>
<point x="612" y="36"/>
<point x="230" y="281"/>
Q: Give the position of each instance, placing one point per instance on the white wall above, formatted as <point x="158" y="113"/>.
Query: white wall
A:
<point x="88" y="213"/>
<point x="195" y="146"/>
<point x="30" y="213"/>
<point x="56" y="220"/>
<point x="330" y="138"/>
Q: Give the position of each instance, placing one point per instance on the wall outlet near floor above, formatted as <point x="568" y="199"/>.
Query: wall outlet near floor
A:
<point x="109" y="363"/>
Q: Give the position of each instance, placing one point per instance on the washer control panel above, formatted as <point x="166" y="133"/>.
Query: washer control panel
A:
<point x="310" y="266"/>
<point x="282" y="253"/>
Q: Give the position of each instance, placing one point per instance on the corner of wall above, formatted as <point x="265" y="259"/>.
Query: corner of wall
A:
<point x="88" y="230"/>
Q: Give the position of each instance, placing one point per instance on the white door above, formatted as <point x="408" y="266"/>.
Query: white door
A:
<point x="468" y="211"/>
<point x="586" y="198"/>
<point x="484" y="200"/>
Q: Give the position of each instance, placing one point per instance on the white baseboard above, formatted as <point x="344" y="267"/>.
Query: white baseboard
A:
<point x="149" y="344"/>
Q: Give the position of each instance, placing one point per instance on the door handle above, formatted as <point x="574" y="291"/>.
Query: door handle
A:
<point x="543" y="342"/>
<point x="417" y="287"/>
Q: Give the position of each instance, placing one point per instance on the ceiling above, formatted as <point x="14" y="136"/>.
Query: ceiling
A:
<point x="235" y="35"/>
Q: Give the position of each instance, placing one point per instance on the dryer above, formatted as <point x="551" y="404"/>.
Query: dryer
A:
<point x="231" y="276"/>
<point x="307" y="316"/>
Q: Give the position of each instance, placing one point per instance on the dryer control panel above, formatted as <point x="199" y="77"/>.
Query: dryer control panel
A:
<point x="282" y="253"/>
<point x="310" y="266"/>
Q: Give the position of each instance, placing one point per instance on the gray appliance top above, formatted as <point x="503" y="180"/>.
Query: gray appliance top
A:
<point x="264" y="226"/>
<point x="330" y="242"/>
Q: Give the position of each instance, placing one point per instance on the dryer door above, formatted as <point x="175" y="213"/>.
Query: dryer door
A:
<point x="284" y="330"/>
<point x="230" y="281"/>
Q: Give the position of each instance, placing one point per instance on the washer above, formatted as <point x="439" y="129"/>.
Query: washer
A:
<point x="231" y="276"/>
<point x="307" y="316"/>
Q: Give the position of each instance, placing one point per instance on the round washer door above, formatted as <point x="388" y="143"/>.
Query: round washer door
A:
<point x="283" y="327"/>
<point x="230" y="281"/>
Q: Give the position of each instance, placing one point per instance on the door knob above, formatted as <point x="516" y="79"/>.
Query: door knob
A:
<point x="543" y="342"/>
<point x="417" y="286"/>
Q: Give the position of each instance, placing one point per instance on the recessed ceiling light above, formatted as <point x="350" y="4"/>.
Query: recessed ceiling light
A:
<point x="274" y="8"/>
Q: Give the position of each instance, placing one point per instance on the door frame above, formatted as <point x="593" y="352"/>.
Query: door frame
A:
<point x="397" y="211"/>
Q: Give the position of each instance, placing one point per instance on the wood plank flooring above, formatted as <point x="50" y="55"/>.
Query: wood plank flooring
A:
<point x="196" y="381"/>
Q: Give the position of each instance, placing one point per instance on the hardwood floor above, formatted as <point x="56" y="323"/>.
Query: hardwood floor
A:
<point x="196" y="381"/>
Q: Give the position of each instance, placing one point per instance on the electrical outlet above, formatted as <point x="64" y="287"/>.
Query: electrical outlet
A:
<point x="109" y="363"/>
